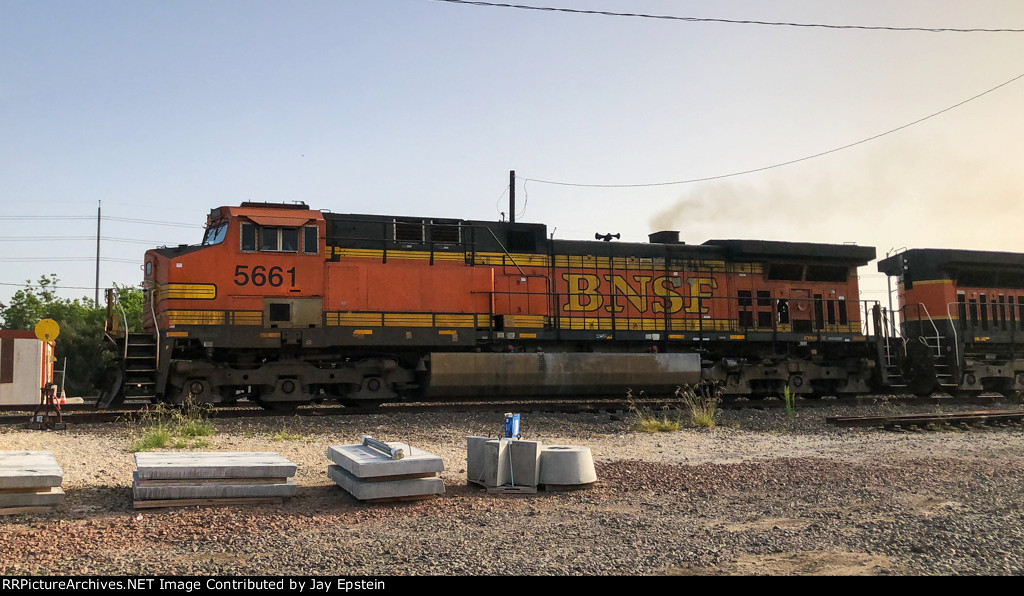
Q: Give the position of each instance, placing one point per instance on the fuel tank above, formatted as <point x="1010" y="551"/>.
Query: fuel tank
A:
<point x="553" y="374"/>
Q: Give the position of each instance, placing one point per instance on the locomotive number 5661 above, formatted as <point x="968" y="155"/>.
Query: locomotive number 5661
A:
<point x="259" y="275"/>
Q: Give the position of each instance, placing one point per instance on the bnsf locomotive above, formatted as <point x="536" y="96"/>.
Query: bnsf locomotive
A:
<point x="962" y="320"/>
<point x="283" y="305"/>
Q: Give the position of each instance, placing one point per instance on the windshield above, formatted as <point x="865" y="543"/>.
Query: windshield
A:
<point x="215" y="235"/>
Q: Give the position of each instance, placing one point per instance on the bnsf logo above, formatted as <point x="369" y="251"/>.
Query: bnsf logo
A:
<point x="666" y="293"/>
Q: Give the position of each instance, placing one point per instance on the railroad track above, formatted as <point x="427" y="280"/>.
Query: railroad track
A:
<point x="88" y="414"/>
<point x="964" y="420"/>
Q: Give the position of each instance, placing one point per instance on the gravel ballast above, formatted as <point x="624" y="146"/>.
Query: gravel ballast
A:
<point x="762" y="493"/>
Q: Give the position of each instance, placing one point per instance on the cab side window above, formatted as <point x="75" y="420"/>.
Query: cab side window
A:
<point x="310" y="241"/>
<point x="277" y="239"/>
<point x="248" y="237"/>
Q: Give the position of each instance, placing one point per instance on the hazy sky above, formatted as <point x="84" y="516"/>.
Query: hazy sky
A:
<point x="163" y="110"/>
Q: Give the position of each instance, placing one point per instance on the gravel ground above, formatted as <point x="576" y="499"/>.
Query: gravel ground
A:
<point x="759" y="494"/>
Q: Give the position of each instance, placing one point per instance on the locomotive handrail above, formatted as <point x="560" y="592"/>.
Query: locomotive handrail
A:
<point x="152" y="313"/>
<point x="491" y="232"/>
<point x="938" y="337"/>
<point x="956" y="340"/>
<point x="124" y="315"/>
<point x="693" y="321"/>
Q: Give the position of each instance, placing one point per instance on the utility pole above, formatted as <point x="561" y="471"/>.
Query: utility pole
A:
<point x="99" y="207"/>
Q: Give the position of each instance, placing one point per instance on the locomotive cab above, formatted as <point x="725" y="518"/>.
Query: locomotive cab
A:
<point x="257" y="265"/>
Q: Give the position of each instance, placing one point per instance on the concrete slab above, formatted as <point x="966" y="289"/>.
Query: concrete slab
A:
<point x="219" y="490"/>
<point x="364" y="462"/>
<point x="245" y="502"/>
<point x="29" y="469"/>
<point x="47" y="497"/>
<point x="396" y="489"/>
<point x="207" y="464"/>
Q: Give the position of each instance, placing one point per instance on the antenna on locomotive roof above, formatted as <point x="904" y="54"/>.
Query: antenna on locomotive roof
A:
<point x="512" y="196"/>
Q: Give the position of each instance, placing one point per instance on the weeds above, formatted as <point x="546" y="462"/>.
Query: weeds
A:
<point x="646" y="420"/>
<point x="283" y="435"/>
<point x="790" y="398"/>
<point x="156" y="438"/>
<point x="702" y="401"/>
<point x="179" y="427"/>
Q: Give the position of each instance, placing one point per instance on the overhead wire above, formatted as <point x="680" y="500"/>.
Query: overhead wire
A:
<point x="63" y="259"/>
<point x="78" y="238"/>
<point x="785" y="163"/>
<point x="32" y="285"/>
<point x="732" y="21"/>
<point x="93" y="218"/>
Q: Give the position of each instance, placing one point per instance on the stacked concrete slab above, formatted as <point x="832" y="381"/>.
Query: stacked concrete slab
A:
<point x="375" y="471"/>
<point x="179" y="479"/>
<point x="30" y="482"/>
<point x="517" y="466"/>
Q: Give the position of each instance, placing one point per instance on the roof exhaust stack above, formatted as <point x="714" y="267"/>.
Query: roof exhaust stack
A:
<point x="665" y="237"/>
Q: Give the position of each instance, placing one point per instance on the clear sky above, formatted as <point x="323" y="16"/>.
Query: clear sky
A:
<point x="163" y="110"/>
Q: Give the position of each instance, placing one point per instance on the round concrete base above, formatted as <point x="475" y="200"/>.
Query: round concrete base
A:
<point x="566" y="465"/>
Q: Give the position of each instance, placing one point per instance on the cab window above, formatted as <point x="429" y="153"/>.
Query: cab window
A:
<point x="248" y="237"/>
<point x="279" y="239"/>
<point x="215" y="235"/>
<point x="310" y="242"/>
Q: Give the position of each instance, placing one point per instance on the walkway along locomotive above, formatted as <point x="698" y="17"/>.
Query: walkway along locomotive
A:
<point x="282" y="304"/>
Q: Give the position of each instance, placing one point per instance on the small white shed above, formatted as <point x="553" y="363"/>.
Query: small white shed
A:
<point x="26" y="365"/>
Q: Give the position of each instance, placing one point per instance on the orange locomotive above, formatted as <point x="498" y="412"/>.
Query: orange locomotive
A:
<point x="283" y="305"/>
<point x="961" y="321"/>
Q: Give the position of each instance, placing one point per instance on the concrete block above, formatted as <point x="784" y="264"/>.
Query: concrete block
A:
<point x="525" y="462"/>
<point x="29" y="469"/>
<point x="476" y="455"/>
<point x="495" y="469"/>
<point x="364" y="462"/>
<point x="205" y="464"/>
<point x="213" y="490"/>
<point x="503" y="462"/>
<point x="566" y="465"/>
<point x="366" y="490"/>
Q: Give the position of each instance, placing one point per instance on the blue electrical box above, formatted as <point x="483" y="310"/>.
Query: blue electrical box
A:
<point x="511" y="426"/>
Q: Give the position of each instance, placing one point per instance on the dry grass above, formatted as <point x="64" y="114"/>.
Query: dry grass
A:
<point x="702" y="402"/>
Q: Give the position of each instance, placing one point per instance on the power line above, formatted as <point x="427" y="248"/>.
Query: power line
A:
<point x="154" y="222"/>
<point x="785" y="163"/>
<point x="93" y="217"/>
<point x="77" y="238"/>
<point x="730" y="21"/>
<point x="33" y="285"/>
<point x="64" y="259"/>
